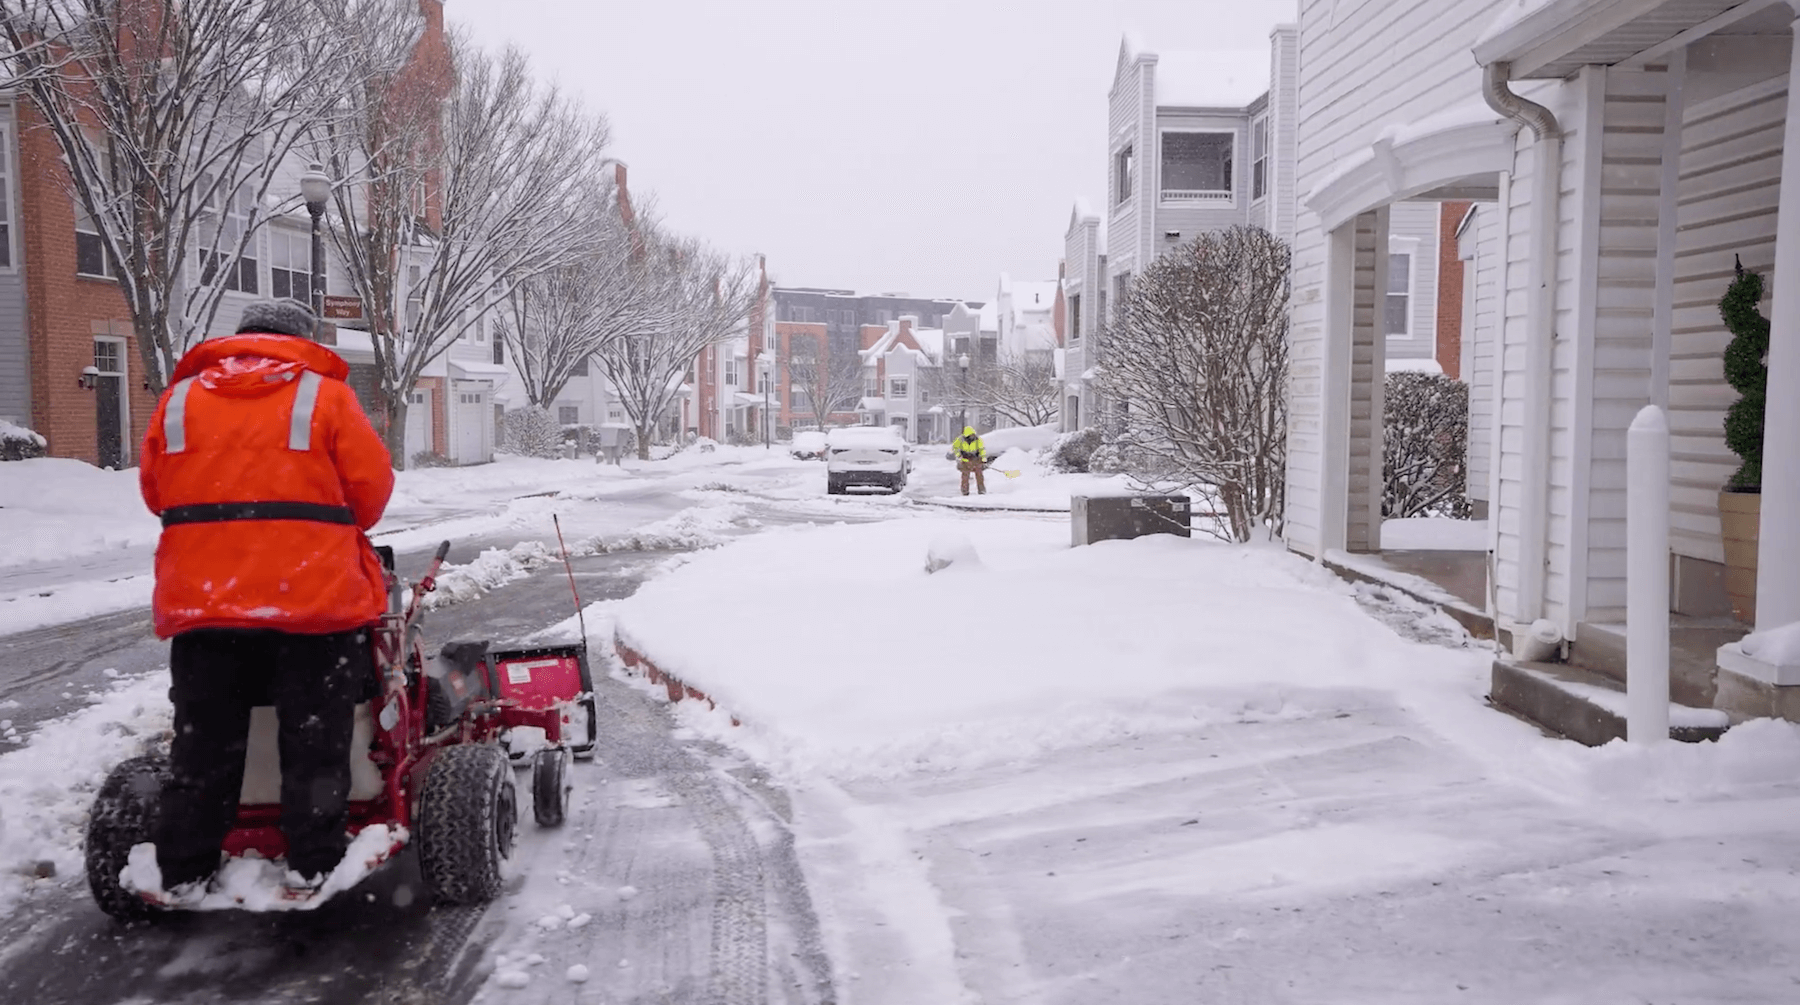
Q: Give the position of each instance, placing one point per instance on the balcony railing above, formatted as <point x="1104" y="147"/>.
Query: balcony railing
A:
<point x="1195" y="195"/>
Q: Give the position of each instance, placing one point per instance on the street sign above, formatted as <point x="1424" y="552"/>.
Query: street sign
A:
<point x="343" y="308"/>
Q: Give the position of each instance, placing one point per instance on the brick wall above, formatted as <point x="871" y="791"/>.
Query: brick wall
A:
<point x="63" y="312"/>
<point x="1450" y="289"/>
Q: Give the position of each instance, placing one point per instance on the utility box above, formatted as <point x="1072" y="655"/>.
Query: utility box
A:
<point x="1117" y="518"/>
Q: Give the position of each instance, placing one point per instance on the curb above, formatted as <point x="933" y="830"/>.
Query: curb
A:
<point x="673" y="686"/>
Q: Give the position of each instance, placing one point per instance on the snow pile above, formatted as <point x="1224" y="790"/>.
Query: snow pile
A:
<point x="1069" y="644"/>
<point x="54" y="508"/>
<point x="692" y="528"/>
<point x="255" y="884"/>
<point x="47" y="787"/>
<point x="1778" y="646"/>
<point x="951" y="550"/>
<point x="1756" y="757"/>
<point x="1021" y="437"/>
<point x="490" y="570"/>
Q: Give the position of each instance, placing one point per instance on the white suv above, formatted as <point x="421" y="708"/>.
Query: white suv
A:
<point x="874" y="456"/>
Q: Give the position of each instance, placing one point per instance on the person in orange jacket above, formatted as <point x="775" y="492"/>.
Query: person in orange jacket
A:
<point x="266" y="473"/>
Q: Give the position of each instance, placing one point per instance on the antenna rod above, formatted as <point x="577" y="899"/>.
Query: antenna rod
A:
<point x="580" y="616"/>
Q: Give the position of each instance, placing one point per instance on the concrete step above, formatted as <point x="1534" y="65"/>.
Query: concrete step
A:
<point x="1585" y="706"/>
<point x="1693" y="654"/>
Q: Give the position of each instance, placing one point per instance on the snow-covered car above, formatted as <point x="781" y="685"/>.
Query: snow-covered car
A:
<point x="808" y="445"/>
<point x="866" y="456"/>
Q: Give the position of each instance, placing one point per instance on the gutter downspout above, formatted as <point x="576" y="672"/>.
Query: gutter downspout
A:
<point x="1534" y="516"/>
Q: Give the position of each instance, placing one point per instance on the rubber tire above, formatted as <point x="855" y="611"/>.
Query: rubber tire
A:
<point x="123" y="815"/>
<point x="550" y="786"/>
<point x="467" y="824"/>
<point x="590" y="744"/>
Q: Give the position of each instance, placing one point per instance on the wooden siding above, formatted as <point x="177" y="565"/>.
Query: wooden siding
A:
<point x="1619" y="342"/>
<point x="1366" y="398"/>
<point x="1360" y="69"/>
<point x="1489" y="275"/>
<point x="1127" y="123"/>
<point x="1729" y="192"/>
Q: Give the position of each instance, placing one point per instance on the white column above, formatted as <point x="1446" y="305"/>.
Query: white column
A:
<point x="1778" y="541"/>
<point x="1647" y="577"/>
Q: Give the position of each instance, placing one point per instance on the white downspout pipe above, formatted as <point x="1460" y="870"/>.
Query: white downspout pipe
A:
<point x="1546" y="199"/>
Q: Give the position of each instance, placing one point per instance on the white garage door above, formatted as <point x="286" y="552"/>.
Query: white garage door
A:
<point x="418" y="424"/>
<point x="474" y="426"/>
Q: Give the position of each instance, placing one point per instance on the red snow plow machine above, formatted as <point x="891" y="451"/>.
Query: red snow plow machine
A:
<point x="431" y="765"/>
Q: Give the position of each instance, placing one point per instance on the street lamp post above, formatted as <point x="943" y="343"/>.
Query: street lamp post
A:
<point x="962" y="394"/>
<point x="763" y="370"/>
<point x="315" y="188"/>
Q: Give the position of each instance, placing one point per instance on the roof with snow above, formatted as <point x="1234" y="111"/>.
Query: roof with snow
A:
<point x="1230" y="78"/>
<point x="990" y="318"/>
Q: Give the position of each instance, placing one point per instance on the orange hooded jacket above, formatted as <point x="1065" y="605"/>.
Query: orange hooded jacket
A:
<point x="265" y="473"/>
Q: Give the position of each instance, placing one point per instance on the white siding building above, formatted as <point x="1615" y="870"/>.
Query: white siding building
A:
<point x="1625" y="156"/>
<point x="1201" y="141"/>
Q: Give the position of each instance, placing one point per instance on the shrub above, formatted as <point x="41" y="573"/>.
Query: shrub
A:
<point x="1074" y="451"/>
<point x="1425" y="446"/>
<point x="1746" y="371"/>
<point x="18" y="443"/>
<point x="531" y="432"/>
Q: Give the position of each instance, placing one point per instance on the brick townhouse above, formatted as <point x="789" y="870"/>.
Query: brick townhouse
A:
<point x="61" y="312"/>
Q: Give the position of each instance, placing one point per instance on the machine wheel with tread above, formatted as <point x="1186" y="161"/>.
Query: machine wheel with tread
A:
<point x="467" y="822"/>
<point x="550" y="785"/>
<point x="123" y="815"/>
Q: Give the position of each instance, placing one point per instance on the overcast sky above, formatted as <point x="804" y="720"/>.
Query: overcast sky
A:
<point x="923" y="146"/>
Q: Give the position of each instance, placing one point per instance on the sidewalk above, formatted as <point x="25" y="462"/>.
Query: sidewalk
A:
<point x="1108" y="773"/>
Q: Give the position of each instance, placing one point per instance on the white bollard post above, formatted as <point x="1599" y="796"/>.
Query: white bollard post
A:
<point x="1647" y="577"/>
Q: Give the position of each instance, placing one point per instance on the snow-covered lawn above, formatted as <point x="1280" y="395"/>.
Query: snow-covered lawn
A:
<point x="1168" y="770"/>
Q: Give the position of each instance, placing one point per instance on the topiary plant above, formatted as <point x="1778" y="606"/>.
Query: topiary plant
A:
<point x="1747" y="370"/>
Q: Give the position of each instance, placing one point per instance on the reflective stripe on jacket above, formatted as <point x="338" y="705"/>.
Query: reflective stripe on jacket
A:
<point x="969" y="450"/>
<point x="265" y="472"/>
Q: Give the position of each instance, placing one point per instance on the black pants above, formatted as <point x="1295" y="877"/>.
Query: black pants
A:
<point x="314" y="682"/>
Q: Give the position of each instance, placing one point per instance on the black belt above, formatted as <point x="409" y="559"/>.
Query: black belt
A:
<point x="219" y="512"/>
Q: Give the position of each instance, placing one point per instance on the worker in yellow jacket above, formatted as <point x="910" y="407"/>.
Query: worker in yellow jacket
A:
<point x="971" y="457"/>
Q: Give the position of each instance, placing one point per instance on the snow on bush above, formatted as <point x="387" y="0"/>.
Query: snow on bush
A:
<point x="1425" y="446"/>
<point x="531" y="432"/>
<point x="18" y="443"/>
<point x="1073" y="451"/>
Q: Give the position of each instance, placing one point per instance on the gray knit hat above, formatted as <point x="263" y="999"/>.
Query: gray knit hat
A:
<point x="285" y="316"/>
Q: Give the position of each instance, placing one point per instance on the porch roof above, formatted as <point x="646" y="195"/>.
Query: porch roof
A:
<point x="1552" y="39"/>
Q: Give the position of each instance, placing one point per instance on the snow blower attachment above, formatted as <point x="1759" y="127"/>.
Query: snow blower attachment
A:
<point x="426" y="764"/>
<point x="554" y="681"/>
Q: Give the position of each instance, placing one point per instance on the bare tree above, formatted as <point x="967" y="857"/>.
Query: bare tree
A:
<point x="468" y="189"/>
<point x="173" y="119"/>
<point x="555" y="322"/>
<point x="1019" y="387"/>
<point x="1425" y="446"/>
<point x="702" y="299"/>
<point x="1197" y="362"/>
<point x="832" y="383"/>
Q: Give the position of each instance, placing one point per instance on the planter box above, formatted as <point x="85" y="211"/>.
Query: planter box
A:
<point x="1740" y="516"/>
